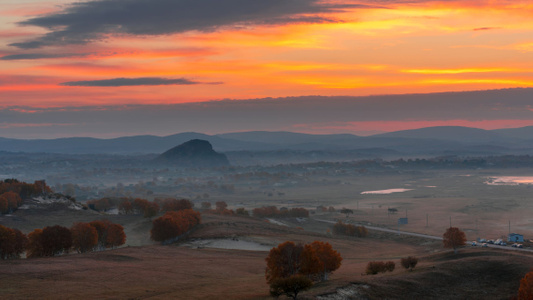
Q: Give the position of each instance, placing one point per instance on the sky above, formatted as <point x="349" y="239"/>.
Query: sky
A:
<point x="109" y="68"/>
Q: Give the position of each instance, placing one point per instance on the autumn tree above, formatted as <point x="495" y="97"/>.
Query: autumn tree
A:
<point x="150" y="210"/>
<point x="288" y="262"/>
<point x="84" y="237"/>
<point x="139" y="205"/>
<point x="125" y="207"/>
<point x="453" y="238"/>
<point x="101" y="227"/>
<point x="329" y="259"/>
<point x="4" y="205"/>
<point x="290" y="286"/>
<point x="341" y="228"/>
<point x="35" y="245"/>
<point x="50" y="241"/>
<point x="283" y="261"/>
<point x="115" y="236"/>
<point x="221" y="205"/>
<point x="525" y="292"/>
<point x="346" y="211"/>
<point x="12" y="242"/>
<point x="110" y="235"/>
<point x="409" y="262"/>
<point x="375" y="267"/>
<point x="56" y="240"/>
<point x="20" y="243"/>
<point x="171" y="204"/>
<point x="173" y="224"/>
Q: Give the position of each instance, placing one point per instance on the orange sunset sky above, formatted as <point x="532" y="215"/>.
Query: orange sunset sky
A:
<point x="55" y="55"/>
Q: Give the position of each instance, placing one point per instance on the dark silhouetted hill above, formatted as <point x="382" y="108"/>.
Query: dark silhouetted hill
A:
<point x="194" y="153"/>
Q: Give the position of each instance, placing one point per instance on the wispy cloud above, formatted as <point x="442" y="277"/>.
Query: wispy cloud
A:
<point x="84" y="22"/>
<point x="30" y="56"/>
<point x="116" y="82"/>
<point x="485" y="28"/>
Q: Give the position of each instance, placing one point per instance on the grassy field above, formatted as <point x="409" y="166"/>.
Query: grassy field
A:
<point x="143" y="269"/>
<point x="181" y="272"/>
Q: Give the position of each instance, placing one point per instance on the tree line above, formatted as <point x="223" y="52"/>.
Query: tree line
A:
<point x="274" y="212"/>
<point x="13" y="192"/>
<point x="341" y="228"/>
<point x="57" y="240"/>
<point x="140" y="206"/>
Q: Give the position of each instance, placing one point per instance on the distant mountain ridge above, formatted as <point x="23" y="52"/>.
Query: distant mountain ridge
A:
<point x="441" y="140"/>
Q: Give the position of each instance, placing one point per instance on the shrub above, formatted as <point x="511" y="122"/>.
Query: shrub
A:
<point x="341" y="228"/>
<point x="375" y="267"/>
<point x="409" y="262"/>
<point x="241" y="211"/>
<point x="12" y="242"/>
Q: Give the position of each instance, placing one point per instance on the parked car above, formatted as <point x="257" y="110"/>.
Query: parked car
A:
<point x="484" y="245"/>
<point x="474" y="243"/>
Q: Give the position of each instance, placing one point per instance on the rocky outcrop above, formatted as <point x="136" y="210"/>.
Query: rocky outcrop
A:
<point x="194" y="153"/>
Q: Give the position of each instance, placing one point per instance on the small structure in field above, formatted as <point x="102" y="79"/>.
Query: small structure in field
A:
<point x="515" y="237"/>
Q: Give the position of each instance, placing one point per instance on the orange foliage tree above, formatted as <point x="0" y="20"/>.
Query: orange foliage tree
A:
<point x="329" y="259"/>
<point x="409" y="262"/>
<point x="12" y="242"/>
<point x="125" y="207"/>
<point x="453" y="238"/>
<point x="9" y="202"/>
<point x="171" y="204"/>
<point x="283" y="261"/>
<point x="525" y="292"/>
<point x="313" y="261"/>
<point x="49" y="241"/>
<point x="24" y="189"/>
<point x="101" y="228"/>
<point x="115" y="236"/>
<point x="84" y="237"/>
<point x="35" y="245"/>
<point x="349" y="229"/>
<point x="173" y="224"/>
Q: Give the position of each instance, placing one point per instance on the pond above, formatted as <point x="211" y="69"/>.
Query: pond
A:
<point x="509" y="180"/>
<point x="236" y="244"/>
<point x="384" y="192"/>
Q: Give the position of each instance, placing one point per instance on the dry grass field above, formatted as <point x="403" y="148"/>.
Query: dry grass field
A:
<point x="143" y="270"/>
<point x="182" y="272"/>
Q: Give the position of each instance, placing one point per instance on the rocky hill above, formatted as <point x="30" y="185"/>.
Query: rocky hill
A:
<point x="194" y="153"/>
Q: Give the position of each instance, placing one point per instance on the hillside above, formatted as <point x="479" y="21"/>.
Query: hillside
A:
<point x="185" y="271"/>
<point x="193" y="153"/>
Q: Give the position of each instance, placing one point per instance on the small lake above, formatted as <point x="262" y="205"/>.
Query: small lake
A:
<point x="235" y="244"/>
<point x="384" y="192"/>
<point x="510" y="180"/>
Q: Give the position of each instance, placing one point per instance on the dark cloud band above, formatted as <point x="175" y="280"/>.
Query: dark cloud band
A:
<point x="84" y="22"/>
<point x="116" y="82"/>
<point x="30" y="56"/>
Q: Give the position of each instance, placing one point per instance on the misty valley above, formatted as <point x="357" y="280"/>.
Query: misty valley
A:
<point x="251" y="200"/>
